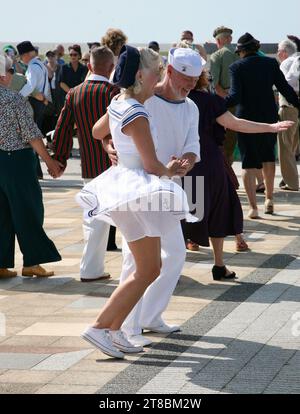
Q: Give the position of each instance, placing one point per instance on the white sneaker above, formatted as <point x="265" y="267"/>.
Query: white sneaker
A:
<point x="121" y="342"/>
<point x="163" y="328"/>
<point x="139" y="340"/>
<point x="101" y="339"/>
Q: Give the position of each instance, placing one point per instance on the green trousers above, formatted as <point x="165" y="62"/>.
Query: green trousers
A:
<point x="230" y="142"/>
<point x="22" y="211"/>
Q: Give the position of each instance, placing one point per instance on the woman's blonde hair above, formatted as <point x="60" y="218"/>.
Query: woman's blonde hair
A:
<point x="186" y="44"/>
<point x="148" y="60"/>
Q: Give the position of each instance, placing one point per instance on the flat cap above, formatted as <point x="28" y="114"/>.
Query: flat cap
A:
<point x="222" y="30"/>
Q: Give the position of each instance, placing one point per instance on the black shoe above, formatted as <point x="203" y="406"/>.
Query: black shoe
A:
<point x="112" y="248"/>
<point x="219" y="273"/>
<point x="282" y="184"/>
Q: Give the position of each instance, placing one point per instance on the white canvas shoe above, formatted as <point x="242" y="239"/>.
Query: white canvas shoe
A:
<point x="163" y="328"/>
<point x="139" y="340"/>
<point x="100" y="338"/>
<point x="121" y="342"/>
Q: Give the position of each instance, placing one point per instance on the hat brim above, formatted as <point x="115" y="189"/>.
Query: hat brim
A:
<point x="174" y="66"/>
<point x="247" y="45"/>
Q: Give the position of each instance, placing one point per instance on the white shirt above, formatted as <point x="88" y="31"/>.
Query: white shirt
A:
<point x="99" y="78"/>
<point x="37" y="78"/>
<point x="177" y="127"/>
<point x="290" y="68"/>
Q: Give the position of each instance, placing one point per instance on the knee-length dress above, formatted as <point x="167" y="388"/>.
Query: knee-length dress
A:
<point x="223" y="214"/>
<point x="140" y="204"/>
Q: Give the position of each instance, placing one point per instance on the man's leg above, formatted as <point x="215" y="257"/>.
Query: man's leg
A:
<point x="158" y="294"/>
<point x="230" y="142"/>
<point x="287" y="148"/>
<point x="147" y="313"/>
<point x="95" y="234"/>
<point x="111" y="244"/>
<point x="229" y="145"/>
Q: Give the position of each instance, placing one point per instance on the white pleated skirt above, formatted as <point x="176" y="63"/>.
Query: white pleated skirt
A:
<point x="139" y="204"/>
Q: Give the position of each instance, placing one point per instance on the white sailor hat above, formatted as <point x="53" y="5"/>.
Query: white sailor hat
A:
<point x="186" y="61"/>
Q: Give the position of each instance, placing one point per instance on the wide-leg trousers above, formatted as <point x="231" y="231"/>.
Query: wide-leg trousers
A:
<point x="288" y="142"/>
<point x="22" y="211"/>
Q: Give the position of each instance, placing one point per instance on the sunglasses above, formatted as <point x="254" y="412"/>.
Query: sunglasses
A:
<point x="73" y="54"/>
<point x="11" y="71"/>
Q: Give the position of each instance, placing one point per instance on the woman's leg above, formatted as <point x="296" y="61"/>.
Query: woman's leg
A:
<point x="249" y="177"/>
<point x="241" y="245"/>
<point x="147" y="256"/>
<point x="7" y="234"/>
<point x="269" y="175"/>
<point x="259" y="178"/>
<point x="217" y="245"/>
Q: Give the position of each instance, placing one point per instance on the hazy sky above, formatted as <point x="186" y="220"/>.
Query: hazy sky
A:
<point x="145" y="20"/>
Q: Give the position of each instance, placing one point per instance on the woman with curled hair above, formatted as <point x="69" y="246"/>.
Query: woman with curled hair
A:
<point x="114" y="39"/>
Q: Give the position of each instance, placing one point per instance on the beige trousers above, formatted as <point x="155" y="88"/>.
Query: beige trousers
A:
<point x="287" y="147"/>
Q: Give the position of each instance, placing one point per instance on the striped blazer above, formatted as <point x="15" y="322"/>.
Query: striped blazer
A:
<point x="84" y="106"/>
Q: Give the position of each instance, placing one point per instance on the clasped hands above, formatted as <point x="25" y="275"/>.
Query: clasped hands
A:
<point x="179" y="165"/>
<point x="55" y="168"/>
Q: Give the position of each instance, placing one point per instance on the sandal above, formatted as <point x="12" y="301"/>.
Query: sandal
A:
<point x="241" y="246"/>
<point x="219" y="273"/>
<point x="193" y="247"/>
<point x="269" y="207"/>
<point x="260" y="188"/>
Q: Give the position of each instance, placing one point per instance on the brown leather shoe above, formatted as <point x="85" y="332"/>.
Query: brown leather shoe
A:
<point x="38" y="271"/>
<point x="5" y="273"/>
<point x="105" y="276"/>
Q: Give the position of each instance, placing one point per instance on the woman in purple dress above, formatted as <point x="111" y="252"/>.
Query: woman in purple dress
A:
<point x="223" y="214"/>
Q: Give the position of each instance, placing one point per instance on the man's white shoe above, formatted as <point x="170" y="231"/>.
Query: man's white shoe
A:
<point x="139" y="340"/>
<point x="121" y="342"/>
<point x="101" y="339"/>
<point x="163" y="328"/>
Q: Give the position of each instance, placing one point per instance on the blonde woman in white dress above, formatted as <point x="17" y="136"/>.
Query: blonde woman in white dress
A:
<point x="132" y="196"/>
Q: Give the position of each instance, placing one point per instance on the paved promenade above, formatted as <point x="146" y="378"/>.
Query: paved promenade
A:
<point x="237" y="337"/>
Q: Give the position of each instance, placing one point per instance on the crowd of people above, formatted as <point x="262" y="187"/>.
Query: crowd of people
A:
<point x="151" y="130"/>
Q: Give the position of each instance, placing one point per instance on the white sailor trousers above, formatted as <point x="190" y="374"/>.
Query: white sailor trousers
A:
<point x="95" y="234"/>
<point x="148" y="311"/>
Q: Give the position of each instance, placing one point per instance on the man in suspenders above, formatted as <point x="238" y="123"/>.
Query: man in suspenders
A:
<point x="37" y="79"/>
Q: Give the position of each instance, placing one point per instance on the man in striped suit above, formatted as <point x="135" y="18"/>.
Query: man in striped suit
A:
<point x="84" y="105"/>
